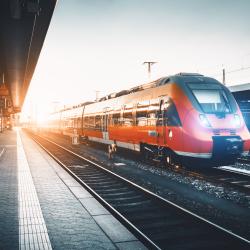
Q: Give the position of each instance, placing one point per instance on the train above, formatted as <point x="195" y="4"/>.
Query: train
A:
<point x="174" y="118"/>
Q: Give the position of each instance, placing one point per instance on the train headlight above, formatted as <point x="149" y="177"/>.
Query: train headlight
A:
<point x="204" y="121"/>
<point x="237" y="121"/>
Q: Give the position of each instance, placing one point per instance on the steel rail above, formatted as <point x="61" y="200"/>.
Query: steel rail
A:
<point x="233" y="171"/>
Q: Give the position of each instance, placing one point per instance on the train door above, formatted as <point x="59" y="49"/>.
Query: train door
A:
<point x="161" y="123"/>
<point x="105" y="134"/>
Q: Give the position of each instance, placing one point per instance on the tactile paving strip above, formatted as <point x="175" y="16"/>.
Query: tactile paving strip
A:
<point x="32" y="228"/>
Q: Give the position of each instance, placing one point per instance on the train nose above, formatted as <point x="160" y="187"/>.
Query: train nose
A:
<point x="224" y="122"/>
<point x="227" y="146"/>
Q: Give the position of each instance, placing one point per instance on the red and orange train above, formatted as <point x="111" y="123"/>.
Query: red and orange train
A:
<point x="184" y="115"/>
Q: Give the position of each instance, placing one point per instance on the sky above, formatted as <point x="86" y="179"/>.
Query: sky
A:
<point x="99" y="46"/>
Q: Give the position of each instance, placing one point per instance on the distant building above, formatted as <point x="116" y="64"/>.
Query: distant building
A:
<point x="241" y="93"/>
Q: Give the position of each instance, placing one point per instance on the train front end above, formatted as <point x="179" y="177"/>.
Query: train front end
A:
<point x="214" y="127"/>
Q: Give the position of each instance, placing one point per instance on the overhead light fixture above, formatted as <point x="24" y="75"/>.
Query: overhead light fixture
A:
<point x="15" y="9"/>
<point x="33" y="6"/>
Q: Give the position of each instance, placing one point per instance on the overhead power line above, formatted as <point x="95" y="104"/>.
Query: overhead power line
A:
<point x="234" y="70"/>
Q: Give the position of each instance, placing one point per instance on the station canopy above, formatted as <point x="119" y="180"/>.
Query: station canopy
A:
<point x="23" y="27"/>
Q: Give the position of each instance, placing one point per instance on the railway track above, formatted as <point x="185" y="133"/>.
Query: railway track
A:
<point x="236" y="180"/>
<point x="157" y="222"/>
<point x="218" y="175"/>
<point x="222" y="176"/>
<point x="244" y="160"/>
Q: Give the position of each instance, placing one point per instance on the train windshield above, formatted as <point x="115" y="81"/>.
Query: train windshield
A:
<point x="212" y="99"/>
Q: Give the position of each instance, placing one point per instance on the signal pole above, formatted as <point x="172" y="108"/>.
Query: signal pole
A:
<point x="97" y="92"/>
<point x="149" y="64"/>
<point x="224" y="76"/>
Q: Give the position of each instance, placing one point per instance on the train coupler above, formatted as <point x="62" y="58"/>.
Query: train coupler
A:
<point x="227" y="146"/>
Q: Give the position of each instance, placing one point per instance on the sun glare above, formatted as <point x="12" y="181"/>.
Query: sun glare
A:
<point x="108" y="56"/>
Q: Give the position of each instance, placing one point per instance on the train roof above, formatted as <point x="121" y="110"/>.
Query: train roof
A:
<point x="180" y="78"/>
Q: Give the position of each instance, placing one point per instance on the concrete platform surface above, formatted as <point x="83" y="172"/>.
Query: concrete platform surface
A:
<point x="43" y="207"/>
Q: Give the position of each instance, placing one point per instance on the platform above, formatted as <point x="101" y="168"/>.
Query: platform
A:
<point x="43" y="207"/>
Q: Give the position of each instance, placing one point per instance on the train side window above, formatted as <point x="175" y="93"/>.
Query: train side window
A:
<point x="87" y="122"/>
<point x="128" y="115"/>
<point x="116" y="117"/>
<point x="141" y="113"/>
<point x="98" y="122"/>
<point x="75" y="122"/>
<point x="110" y="119"/>
<point x="152" y="112"/>
<point x="92" y="122"/>
<point x="79" y="123"/>
<point x="171" y="115"/>
<point x="70" y="123"/>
